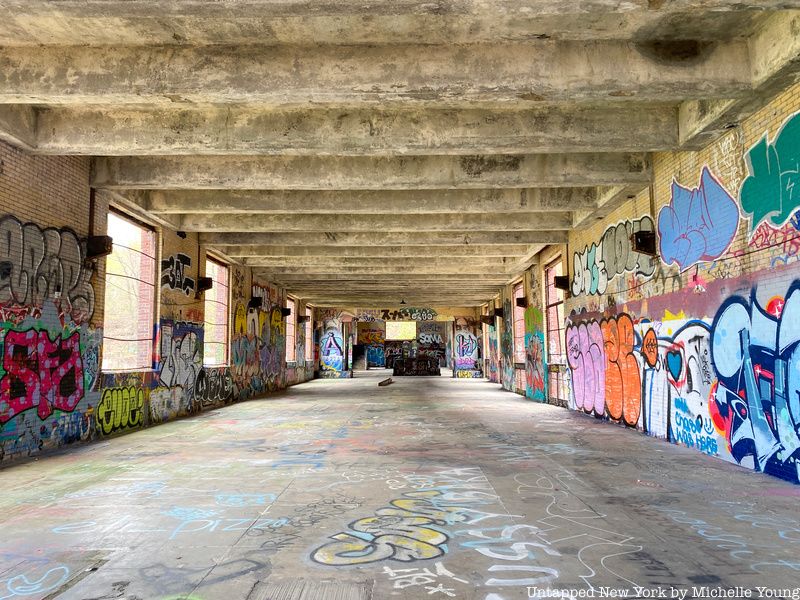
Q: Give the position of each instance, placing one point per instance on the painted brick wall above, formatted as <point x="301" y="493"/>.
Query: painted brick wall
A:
<point x="700" y="345"/>
<point x="52" y="391"/>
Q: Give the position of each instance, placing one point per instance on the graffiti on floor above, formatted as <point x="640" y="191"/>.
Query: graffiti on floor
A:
<point x="413" y="527"/>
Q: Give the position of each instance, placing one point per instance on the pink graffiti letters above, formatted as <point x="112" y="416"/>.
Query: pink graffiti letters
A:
<point x="40" y="371"/>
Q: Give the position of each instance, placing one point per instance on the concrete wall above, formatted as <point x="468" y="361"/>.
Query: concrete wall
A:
<point x="700" y="345"/>
<point x="52" y="391"/>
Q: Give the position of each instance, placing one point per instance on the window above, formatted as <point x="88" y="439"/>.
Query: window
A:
<point x="130" y="296"/>
<point x="309" y="334"/>
<point x="401" y="330"/>
<point x="215" y="336"/>
<point x="519" y="325"/>
<point x="291" y="348"/>
<point x="554" y="306"/>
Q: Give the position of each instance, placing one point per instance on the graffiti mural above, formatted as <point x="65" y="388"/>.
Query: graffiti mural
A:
<point x="771" y="192"/>
<point x="332" y="346"/>
<point x="698" y="224"/>
<point x="181" y="354"/>
<point x="535" y="364"/>
<point x="605" y="372"/>
<point x="756" y="403"/>
<point x="431" y="340"/>
<point x="48" y="373"/>
<point x="173" y="273"/>
<point x="597" y="265"/>
<point x="466" y="350"/>
<point x="372" y="334"/>
<point x="507" y="348"/>
<point x="407" y="313"/>
<point x="44" y="264"/>
<point x="214" y="386"/>
<point x="493" y="360"/>
<point x="120" y="409"/>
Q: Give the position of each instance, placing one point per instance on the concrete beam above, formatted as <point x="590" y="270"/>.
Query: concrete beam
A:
<point x="368" y="201"/>
<point x="451" y="268"/>
<point x="374" y="251"/>
<point x="368" y="173"/>
<point x="445" y="75"/>
<point x="551" y="221"/>
<point x="403" y="263"/>
<point x="18" y="126"/>
<point x="200" y="22"/>
<point x="775" y="63"/>
<point x="249" y="130"/>
<point x="299" y="280"/>
<point x="394" y="239"/>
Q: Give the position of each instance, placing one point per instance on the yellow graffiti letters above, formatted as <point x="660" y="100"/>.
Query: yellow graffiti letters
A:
<point x="120" y="408"/>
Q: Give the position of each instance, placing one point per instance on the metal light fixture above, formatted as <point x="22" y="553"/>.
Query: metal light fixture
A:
<point x="402" y="301"/>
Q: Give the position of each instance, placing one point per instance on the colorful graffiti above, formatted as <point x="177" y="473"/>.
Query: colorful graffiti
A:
<point x="372" y="334"/>
<point x="493" y="360"/>
<point x="771" y="192"/>
<point x="431" y="340"/>
<point x="600" y="263"/>
<point x="605" y="373"/>
<point x="173" y="274"/>
<point x="38" y="264"/>
<point x="699" y="224"/>
<point x="507" y="348"/>
<point x="535" y="363"/>
<point x="466" y="351"/>
<point x="756" y="403"/>
<point x="412" y="527"/>
<point x="181" y="356"/>
<point x="406" y="313"/>
<point x="49" y="363"/>
<point x="120" y="409"/>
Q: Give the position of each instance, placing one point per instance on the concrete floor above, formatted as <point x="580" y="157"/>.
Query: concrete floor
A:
<point x="430" y="488"/>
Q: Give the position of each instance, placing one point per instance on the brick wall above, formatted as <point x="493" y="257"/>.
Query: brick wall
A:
<point x="52" y="301"/>
<point x="700" y="345"/>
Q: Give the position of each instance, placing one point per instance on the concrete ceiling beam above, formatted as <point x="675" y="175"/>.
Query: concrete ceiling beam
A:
<point x="379" y="223"/>
<point x="371" y="173"/>
<point x="374" y="251"/>
<point x="198" y="22"/>
<point x="410" y="263"/>
<point x="368" y="201"/>
<point x="444" y="75"/>
<point x="120" y="131"/>
<point x="453" y="268"/>
<point x="775" y="64"/>
<point x="370" y="279"/>
<point x="389" y="238"/>
<point x="18" y="126"/>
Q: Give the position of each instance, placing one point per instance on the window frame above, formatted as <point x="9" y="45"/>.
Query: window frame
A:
<point x="309" y="330"/>
<point x="556" y="380"/>
<point x="518" y="316"/>
<point x="148" y="364"/>
<point x="291" y="331"/>
<point x="226" y="326"/>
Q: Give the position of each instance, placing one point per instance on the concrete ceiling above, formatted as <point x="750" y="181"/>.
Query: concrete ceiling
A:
<point x="364" y="151"/>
